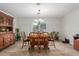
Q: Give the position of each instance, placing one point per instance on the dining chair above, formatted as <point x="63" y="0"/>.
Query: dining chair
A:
<point x="24" y="39"/>
<point x="44" y="39"/>
<point x="33" y="39"/>
<point x="52" y="39"/>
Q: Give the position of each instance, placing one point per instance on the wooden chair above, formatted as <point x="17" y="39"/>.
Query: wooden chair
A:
<point x="44" y="39"/>
<point x="52" y="39"/>
<point x="41" y="39"/>
<point x="33" y="39"/>
<point x="24" y="39"/>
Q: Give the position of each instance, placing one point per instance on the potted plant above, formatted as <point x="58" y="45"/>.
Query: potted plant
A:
<point x="17" y="34"/>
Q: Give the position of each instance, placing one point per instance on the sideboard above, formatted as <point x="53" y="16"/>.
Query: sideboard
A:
<point x="6" y="30"/>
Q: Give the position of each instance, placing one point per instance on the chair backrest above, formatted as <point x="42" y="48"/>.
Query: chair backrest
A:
<point x="46" y="34"/>
<point x="33" y="34"/>
<point x="23" y="35"/>
<point x="52" y="35"/>
<point x="33" y="37"/>
<point x="36" y="37"/>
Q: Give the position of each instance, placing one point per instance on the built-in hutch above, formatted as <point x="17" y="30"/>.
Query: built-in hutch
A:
<point x="6" y="30"/>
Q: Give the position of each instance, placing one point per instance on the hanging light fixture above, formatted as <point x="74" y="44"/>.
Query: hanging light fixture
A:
<point x="37" y="22"/>
<point x="38" y="14"/>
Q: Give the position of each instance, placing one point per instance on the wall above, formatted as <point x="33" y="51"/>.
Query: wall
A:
<point x="70" y="25"/>
<point x="25" y="24"/>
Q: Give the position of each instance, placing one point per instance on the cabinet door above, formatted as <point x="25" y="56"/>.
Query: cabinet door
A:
<point x="1" y="20"/>
<point x="12" y="38"/>
<point x="1" y="43"/>
<point x="76" y="44"/>
<point x="6" y="40"/>
<point x="9" y="21"/>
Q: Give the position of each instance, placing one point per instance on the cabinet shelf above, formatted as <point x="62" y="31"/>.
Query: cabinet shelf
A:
<point x="6" y="26"/>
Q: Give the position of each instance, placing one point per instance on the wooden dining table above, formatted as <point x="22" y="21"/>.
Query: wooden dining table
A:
<point x="38" y="39"/>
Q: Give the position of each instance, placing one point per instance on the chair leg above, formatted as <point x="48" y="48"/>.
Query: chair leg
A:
<point x="25" y="43"/>
<point x="54" y="44"/>
<point x="22" y="44"/>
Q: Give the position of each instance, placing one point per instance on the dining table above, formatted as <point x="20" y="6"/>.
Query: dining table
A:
<point x="38" y="39"/>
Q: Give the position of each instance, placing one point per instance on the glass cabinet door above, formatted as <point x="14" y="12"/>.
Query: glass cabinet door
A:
<point x="1" y="20"/>
<point x="9" y="21"/>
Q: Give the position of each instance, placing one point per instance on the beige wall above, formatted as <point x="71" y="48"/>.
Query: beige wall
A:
<point x="25" y="24"/>
<point x="70" y="25"/>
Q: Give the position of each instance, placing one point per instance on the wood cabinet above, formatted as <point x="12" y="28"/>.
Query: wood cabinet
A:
<point x="76" y="42"/>
<point x="6" y="30"/>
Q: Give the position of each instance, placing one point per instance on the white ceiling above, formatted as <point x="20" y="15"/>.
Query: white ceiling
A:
<point x="47" y="9"/>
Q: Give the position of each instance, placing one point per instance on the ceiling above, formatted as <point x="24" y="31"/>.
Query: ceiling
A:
<point x="55" y="10"/>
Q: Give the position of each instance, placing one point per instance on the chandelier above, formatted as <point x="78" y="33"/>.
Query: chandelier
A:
<point x="38" y="23"/>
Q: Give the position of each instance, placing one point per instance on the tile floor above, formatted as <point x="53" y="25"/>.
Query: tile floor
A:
<point x="60" y="50"/>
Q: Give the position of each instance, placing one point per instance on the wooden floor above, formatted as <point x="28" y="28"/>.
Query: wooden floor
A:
<point x="60" y="50"/>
